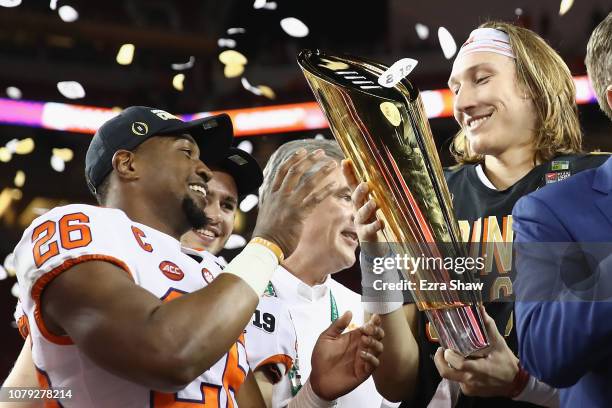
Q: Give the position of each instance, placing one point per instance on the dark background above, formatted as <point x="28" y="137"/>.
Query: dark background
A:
<point x="38" y="49"/>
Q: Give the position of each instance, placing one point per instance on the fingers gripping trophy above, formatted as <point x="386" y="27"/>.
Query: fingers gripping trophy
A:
<point x="385" y="133"/>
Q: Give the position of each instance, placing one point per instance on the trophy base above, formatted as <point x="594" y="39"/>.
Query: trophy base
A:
<point x="459" y="328"/>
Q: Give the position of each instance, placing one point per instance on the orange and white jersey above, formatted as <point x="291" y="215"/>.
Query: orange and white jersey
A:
<point x="69" y="235"/>
<point x="270" y="336"/>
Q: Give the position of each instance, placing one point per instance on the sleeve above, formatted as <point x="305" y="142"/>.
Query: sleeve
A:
<point x="270" y="337"/>
<point x="61" y="239"/>
<point x="21" y="319"/>
<point x="562" y="332"/>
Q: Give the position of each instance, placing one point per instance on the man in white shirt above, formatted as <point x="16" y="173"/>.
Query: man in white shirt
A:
<point x="303" y="280"/>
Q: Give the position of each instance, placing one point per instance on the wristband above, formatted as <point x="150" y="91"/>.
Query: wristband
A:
<point x="307" y="398"/>
<point x="376" y="298"/>
<point x="520" y="381"/>
<point x="271" y="246"/>
<point x="254" y="265"/>
<point x="539" y="393"/>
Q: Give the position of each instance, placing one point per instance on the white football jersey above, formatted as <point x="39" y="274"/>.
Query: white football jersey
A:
<point x="69" y="235"/>
<point x="270" y="336"/>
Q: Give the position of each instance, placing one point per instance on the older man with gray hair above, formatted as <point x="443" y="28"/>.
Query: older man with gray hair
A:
<point x="303" y="280"/>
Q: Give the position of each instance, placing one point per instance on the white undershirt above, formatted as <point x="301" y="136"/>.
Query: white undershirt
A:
<point x="483" y="177"/>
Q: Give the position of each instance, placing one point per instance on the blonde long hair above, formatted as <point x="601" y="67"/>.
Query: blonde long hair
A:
<point x="547" y="81"/>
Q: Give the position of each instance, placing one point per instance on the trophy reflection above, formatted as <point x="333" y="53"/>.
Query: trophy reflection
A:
<point x="385" y="133"/>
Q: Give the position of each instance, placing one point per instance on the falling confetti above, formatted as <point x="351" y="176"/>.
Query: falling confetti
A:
<point x="71" y="89"/>
<point x="246" y="85"/>
<point x="9" y="3"/>
<point x="226" y="42"/>
<point x="125" y="54"/>
<point x="267" y="91"/>
<point x="236" y="30"/>
<point x="5" y="155"/>
<point x="394" y="74"/>
<point x="246" y="146"/>
<point x="184" y="65"/>
<point x="319" y="136"/>
<point x="177" y="82"/>
<point x="447" y="42"/>
<point x="13" y="92"/>
<point x="65" y="154"/>
<point x="235" y="241"/>
<point x="422" y="31"/>
<point x="232" y="57"/>
<point x="20" y="178"/>
<point x="15" y="290"/>
<point x="294" y="27"/>
<point x="259" y="4"/>
<point x="53" y="4"/>
<point x="518" y="11"/>
<point x="68" y="14"/>
<point x="565" y="6"/>
<point x="233" y="71"/>
<point x="248" y="203"/>
<point x="57" y="164"/>
<point x="271" y="5"/>
<point x="24" y="146"/>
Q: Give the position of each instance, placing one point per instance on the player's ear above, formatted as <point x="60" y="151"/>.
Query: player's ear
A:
<point x="123" y="164"/>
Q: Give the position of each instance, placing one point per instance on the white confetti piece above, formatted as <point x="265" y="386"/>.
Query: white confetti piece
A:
<point x="235" y="241"/>
<point x="236" y="30"/>
<point x="422" y="31"/>
<point x="71" y="89"/>
<point x="13" y="92"/>
<point x="184" y="65"/>
<point x="294" y="27"/>
<point x="68" y="14"/>
<point x="447" y="42"/>
<point x="248" y="203"/>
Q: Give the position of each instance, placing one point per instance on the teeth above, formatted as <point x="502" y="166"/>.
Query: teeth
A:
<point x="198" y="189"/>
<point x="207" y="233"/>
<point x="476" y="122"/>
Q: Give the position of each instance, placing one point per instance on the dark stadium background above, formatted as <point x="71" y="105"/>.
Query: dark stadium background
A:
<point x="38" y="49"/>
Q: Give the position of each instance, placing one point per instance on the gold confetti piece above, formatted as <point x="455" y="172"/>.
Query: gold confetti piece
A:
<point x="565" y="6"/>
<point x="24" y="146"/>
<point x="333" y="65"/>
<point x="177" y="82"/>
<point x="267" y="91"/>
<point x="231" y="57"/>
<point x="65" y="154"/>
<point x="233" y="70"/>
<point x="125" y="54"/>
<point x="20" y="178"/>
<point x="5" y="155"/>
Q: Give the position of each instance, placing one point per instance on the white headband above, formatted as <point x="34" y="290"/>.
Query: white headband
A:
<point x="489" y="40"/>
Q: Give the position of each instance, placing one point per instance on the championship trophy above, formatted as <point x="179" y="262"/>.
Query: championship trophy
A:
<point x="385" y="133"/>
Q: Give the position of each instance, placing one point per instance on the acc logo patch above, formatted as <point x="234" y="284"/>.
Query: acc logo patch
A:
<point x="207" y="275"/>
<point x="171" y="271"/>
<point x="140" y="128"/>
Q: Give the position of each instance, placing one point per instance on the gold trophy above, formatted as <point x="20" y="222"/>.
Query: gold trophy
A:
<point x="385" y="133"/>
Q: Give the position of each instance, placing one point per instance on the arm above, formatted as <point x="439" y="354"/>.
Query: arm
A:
<point x="164" y="346"/>
<point x="560" y="339"/>
<point x="265" y="387"/>
<point x="249" y="395"/>
<point x="397" y="375"/>
<point x="22" y="375"/>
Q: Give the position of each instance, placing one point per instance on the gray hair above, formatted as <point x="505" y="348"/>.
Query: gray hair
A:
<point x="599" y="61"/>
<point x="330" y="147"/>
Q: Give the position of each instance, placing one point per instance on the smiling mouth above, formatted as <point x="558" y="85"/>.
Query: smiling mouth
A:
<point x="198" y="189"/>
<point x="206" y="234"/>
<point x="475" y="123"/>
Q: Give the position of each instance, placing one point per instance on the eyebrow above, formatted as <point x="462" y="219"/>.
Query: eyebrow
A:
<point x="475" y="67"/>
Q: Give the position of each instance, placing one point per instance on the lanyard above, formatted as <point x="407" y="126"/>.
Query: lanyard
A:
<point x="294" y="373"/>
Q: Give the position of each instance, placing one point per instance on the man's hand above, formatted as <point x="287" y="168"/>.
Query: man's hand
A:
<point x="290" y="200"/>
<point x="342" y="361"/>
<point x="488" y="376"/>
